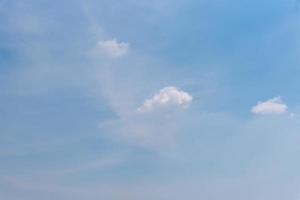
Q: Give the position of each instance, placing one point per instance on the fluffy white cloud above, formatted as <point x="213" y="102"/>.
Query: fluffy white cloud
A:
<point x="114" y="48"/>
<point x="168" y="96"/>
<point x="271" y="106"/>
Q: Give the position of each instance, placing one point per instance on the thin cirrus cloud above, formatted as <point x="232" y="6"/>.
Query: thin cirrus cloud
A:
<point x="167" y="97"/>
<point x="270" y="107"/>
<point x="113" y="48"/>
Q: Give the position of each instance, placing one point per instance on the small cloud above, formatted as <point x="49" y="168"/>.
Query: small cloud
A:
<point x="114" y="48"/>
<point x="271" y="106"/>
<point x="166" y="97"/>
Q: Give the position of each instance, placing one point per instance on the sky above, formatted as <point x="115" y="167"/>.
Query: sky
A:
<point x="149" y="100"/>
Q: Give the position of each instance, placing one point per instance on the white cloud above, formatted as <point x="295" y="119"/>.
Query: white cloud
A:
<point x="114" y="48"/>
<point x="168" y="96"/>
<point x="271" y="106"/>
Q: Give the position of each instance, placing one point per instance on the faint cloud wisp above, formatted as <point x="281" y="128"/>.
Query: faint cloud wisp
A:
<point x="168" y="96"/>
<point x="113" y="48"/>
<point x="271" y="106"/>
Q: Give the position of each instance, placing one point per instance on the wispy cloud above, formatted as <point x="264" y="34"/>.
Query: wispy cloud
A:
<point x="166" y="97"/>
<point x="113" y="48"/>
<point x="269" y="107"/>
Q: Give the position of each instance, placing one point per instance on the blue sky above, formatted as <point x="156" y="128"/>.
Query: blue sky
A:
<point x="132" y="99"/>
